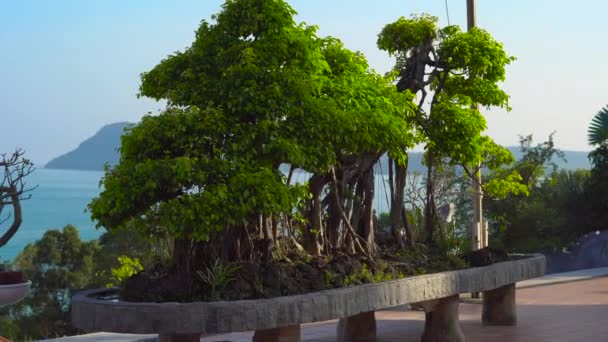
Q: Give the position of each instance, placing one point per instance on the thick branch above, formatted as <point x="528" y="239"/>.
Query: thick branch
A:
<point x="16" y="216"/>
<point x="349" y="227"/>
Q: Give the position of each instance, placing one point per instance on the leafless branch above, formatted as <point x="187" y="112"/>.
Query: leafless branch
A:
<point x="12" y="187"/>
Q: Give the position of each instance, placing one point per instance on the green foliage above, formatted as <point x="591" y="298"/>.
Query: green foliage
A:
<point x="423" y="259"/>
<point x="253" y="91"/>
<point x="465" y="69"/>
<point x="128" y="267"/>
<point x="359" y="277"/>
<point x="555" y="210"/>
<point x="58" y="264"/>
<point x="330" y="278"/>
<point x="130" y="242"/>
<point x="598" y="136"/>
<point x="9" y="328"/>
<point x="599" y="186"/>
<point x="598" y="128"/>
<point x="217" y="276"/>
<point x="384" y="222"/>
<point x="458" y="71"/>
<point x="405" y="35"/>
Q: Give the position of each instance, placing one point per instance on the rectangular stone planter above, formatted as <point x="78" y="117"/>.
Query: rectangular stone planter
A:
<point x="283" y="314"/>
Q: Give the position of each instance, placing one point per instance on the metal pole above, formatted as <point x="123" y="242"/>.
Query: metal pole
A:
<point x="478" y="234"/>
<point x="471" y="14"/>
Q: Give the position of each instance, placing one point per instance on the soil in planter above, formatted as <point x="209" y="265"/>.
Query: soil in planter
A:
<point x="297" y="275"/>
<point x="486" y="256"/>
<point x="11" y="277"/>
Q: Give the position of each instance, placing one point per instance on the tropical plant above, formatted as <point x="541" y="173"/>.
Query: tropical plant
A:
<point x="598" y="128"/>
<point x="598" y="137"/>
<point x="217" y="276"/>
<point x="128" y="267"/>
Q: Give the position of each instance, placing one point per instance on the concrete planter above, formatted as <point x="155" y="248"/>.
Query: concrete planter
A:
<point x="90" y="313"/>
<point x="13" y="293"/>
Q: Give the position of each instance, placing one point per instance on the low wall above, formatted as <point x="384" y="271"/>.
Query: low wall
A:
<point x="91" y="314"/>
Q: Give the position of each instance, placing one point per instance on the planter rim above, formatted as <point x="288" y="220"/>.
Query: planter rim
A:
<point x="90" y="294"/>
<point x="90" y="314"/>
<point x="22" y="284"/>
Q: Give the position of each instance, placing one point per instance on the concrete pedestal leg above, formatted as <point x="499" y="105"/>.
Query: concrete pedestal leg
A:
<point x="441" y="324"/>
<point x="357" y="328"/>
<point x="179" y="338"/>
<point x="285" y="334"/>
<point x="499" y="306"/>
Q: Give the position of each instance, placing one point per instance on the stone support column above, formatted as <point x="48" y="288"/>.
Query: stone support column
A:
<point x="357" y="328"/>
<point x="499" y="306"/>
<point x="441" y="321"/>
<point x="179" y="337"/>
<point x="284" y="334"/>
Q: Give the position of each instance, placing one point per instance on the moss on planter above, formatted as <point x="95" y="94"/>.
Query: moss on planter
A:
<point x="282" y="277"/>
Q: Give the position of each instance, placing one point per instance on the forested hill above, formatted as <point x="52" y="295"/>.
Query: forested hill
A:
<point x="94" y="152"/>
<point x="574" y="160"/>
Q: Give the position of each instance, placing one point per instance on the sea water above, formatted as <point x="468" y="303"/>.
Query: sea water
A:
<point x="60" y="198"/>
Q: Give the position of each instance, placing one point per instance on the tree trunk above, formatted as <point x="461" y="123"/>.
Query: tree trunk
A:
<point x="429" y="216"/>
<point x="17" y="216"/>
<point x="182" y="255"/>
<point x="398" y="223"/>
<point x="314" y="228"/>
<point x="366" y="222"/>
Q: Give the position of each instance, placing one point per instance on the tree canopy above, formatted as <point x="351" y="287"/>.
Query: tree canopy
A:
<point x="451" y="72"/>
<point x="254" y="91"/>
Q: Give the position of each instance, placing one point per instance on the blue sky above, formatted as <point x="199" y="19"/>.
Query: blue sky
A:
<point x="68" y="67"/>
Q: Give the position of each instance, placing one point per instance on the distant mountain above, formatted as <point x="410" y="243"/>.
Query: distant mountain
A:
<point x="94" y="152"/>
<point x="574" y="160"/>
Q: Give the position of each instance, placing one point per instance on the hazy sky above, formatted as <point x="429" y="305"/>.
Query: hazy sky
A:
<point x="68" y="67"/>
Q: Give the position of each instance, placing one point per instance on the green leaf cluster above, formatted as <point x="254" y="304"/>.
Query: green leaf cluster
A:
<point x="254" y="90"/>
<point x="457" y="71"/>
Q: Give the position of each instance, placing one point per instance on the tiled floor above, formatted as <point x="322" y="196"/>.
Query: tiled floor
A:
<point x="568" y="312"/>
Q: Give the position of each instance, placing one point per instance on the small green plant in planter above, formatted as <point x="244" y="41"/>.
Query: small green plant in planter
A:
<point x="12" y="191"/>
<point x="128" y="267"/>
<point x="217" y="276"/>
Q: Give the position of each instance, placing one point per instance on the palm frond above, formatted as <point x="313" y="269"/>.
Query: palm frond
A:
<point x="598" y="129"/>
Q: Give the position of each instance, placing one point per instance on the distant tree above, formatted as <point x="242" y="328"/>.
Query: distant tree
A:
<point x="554" y="213"/>
<point x="58" y="265"/>
<point x="15" y="168"/>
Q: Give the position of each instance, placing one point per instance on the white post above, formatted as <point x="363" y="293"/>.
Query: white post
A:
<point x="478" y="228"/>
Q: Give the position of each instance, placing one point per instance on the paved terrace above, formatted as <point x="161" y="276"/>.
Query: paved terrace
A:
<point x="566" y="307"/>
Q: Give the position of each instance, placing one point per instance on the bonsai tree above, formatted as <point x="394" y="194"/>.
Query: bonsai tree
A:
<point x="13" y="188"/>
<point x="254" y="101"/>
<point x="449" y="71"/>
<point x="256" y="91"/>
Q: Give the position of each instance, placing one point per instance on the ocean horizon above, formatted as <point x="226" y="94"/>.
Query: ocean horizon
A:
<point x="61" y="198"/>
